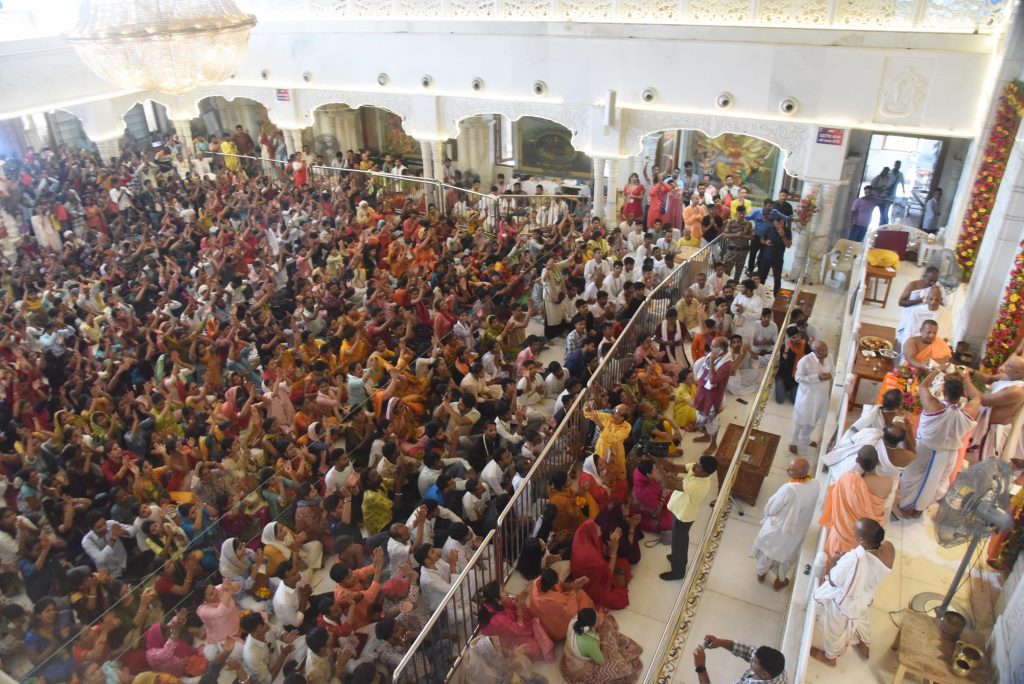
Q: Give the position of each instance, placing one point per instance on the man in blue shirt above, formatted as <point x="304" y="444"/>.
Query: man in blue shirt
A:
<point x="762" y="219"/>
<point x="773" y="250"/>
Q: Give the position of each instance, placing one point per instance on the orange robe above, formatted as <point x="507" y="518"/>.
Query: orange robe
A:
<point x="556" y="608"/>
<point x="848" y="501"/>
<point x="938" y="349"/>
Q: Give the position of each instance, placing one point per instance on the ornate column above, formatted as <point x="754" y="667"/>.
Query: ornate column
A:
<point x="597" y="196"/>
<point x="822" y="228"/>
<point x="428" y="158"/>
<point x="613" y="189"/>
<point x="348" y="130"/>
<point x="437" y="151"/>
<point x="183" y="129"/>
<point x="802" y="236"/>
<point x="110" y="147"/>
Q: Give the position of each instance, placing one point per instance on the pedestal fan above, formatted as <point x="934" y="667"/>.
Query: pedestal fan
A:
<point x="976" y="507"/>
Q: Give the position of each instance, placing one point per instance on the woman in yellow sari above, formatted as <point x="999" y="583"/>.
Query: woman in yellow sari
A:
<point x="228" y="147"/>
<point x="683" y="413"/>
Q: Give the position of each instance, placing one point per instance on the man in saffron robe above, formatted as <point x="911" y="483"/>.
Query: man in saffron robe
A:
<point x="853" y="496"/>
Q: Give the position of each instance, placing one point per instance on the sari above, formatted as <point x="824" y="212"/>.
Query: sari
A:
<point x="512" y="634"/>
<point x="683" y="413"/>
<point x="277" y="551"/>
<point x="588" y="560"/>
<point x="557" y="607"/>
<point x="592" y="489"/>
<point x="569" y="515"/>
<point x="172" y="656"/>
<point x="649" y="502"/>
<point x="621" y="655"/>
<point x="608" y="520"/>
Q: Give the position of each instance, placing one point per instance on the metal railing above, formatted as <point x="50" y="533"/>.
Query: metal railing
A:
<point x="542" y="211"/>
<point x="564" y="448"/>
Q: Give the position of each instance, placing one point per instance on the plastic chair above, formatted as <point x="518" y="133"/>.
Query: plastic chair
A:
<point x="841" y="259"/>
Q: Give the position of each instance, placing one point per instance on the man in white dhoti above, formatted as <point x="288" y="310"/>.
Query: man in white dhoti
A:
<point x="875" y="415"/>
<point x="787" y="515"/>
<point x="814" y="377"/>
<point x="45" y="228"/>
<point x="746" y="312"/>
<point x="913" y="295"/>
<point x="894" y="446"/>
<point x="746" y="370"/>
<point x="846" y="593"/>
<point x="999" y="408"/>
<point x="672" y="337"/>
<point x="765" y="335"/>
<point x="558" y="306"/>
<point x="941" y="431"/>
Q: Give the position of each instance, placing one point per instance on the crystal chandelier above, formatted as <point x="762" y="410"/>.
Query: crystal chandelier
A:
<point x="167" y="45"/>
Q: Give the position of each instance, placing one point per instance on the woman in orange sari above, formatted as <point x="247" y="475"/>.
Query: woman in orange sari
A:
<point x="556" y="603"/>
<point x="593" y="489"/>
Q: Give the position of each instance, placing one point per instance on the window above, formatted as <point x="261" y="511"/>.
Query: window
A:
<point x="504" y="150"/>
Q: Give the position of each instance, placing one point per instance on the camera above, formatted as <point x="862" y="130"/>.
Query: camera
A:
<point x="789" y="105"/>
<point x="540" y="87"/>
<point x="477" y="83"/>
<point x="724" y="100"/>
<point x="426" y="81"/>
<point x="649" y="95"/>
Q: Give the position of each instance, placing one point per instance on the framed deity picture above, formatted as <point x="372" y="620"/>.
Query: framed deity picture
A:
<point x="545" y="148"/>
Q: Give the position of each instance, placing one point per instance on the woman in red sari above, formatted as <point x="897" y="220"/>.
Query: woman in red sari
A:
<point x="633" y="196"/>
<point x="606" y="583"/>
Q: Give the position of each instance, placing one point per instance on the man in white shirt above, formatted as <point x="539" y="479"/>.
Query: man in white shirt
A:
<point x="702" y="289"/>
<point x="614" y="281"/>
<point x="598" y="263"/>
<point x="461" y="540"/>
<point x="433" y="511"/>
<point x="435" y="574"/>
<point x="291" y="597"/>
<point x="266" y="651"/>
<point x="531" y="389"/>
<point x="339" y="476"/>
<point x="494" y="472"/>
<point x="730" y="188"/>
<point x="103" y="544"/>
<point x="474" y="503"/>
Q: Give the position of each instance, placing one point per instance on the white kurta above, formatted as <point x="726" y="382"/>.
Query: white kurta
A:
<point x="940" y="436"/>
<point x="843" y="458"/>
<point x="844" y="598"/>
<point x="812" y="395"/>
<point x="46" y="234"/>
<point x="787" y="515"/>
<point x="913" y="317"/>
<point x="745" y="321"/>
<point x="747" y="378"/>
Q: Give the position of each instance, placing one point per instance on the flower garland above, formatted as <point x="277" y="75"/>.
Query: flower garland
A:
<point x="807" y="209"/>
<point x="990" y="175"/>
<point x="1010" y="318"/>
<point x="910" y="379"/>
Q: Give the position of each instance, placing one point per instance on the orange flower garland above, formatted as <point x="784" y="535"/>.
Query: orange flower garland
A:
<point x="990" y="175"/>
<point x="1010" y="319"/>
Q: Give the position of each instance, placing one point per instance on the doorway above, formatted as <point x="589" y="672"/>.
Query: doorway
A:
<point x="921" y="164"/>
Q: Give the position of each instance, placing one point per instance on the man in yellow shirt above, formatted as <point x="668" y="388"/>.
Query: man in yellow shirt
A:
<point x="684" y="504"/>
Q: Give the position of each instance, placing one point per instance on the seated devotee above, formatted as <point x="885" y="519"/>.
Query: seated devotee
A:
<point x="787" y="515"/>
<point x="595" y="651"/>
<point x="941" y="430"/>
<point x="684" y="415"/>
<point x="746" y="368"/>
<point x="556" y="602"/>
<point x="563" y="496"/>
<point x="510" y="619"/>
<point x="606" y="573"/>
<point x="845" y="595"/>
<point x="767" y="665"/>
<point x="853" y="496"/>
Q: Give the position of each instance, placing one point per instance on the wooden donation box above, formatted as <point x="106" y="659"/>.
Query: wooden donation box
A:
<point x="754" y="464"/>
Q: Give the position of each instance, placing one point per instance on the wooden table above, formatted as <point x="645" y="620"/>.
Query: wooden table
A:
<point x="874" y="277"/>
<point x="874" y="368"/>
<point x="754" y="464"/>
<point x="804" y="302"/>
<point x="922" y="651"/>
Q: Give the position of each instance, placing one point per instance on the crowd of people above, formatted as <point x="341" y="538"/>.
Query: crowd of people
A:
<point x="220" y="376"/>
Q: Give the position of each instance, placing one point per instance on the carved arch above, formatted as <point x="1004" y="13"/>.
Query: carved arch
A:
<point x="575" y="117"/>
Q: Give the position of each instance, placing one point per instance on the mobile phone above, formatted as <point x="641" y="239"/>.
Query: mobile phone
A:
<point x="743" y="401"/>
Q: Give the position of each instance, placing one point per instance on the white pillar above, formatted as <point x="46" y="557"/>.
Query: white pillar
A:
<point x="613" y="191"/>
<point x="348" y="130"/>
<point x="822" y="228"/>
<point x="597" y="196"/>
<point x="111" y="147"/>
<point x="183" y="129"/>
<point x="802" y="235"/>
<point x="437" y="152"/>
<point x="428" y="158"/>
<point x="292" y="140"/>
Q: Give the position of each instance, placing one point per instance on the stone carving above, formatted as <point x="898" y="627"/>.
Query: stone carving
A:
<point x="902" y="95"/>
<point x="792" y="137"/>
<point x="527" y="9"/>
<point x="473" y="9"/>
<point x="657" y="10"/>
<point x="793" y="12"/>
<point x="887" y="14"/>
<point x="721" y="12"/>
<point x="587" y="10"/>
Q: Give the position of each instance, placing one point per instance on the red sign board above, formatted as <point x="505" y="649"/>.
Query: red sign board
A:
<point x="830" y="136"/>
<point x="285" y="95"/>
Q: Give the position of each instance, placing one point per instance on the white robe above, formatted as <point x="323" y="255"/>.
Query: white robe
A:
<point x="913" y="317"/>
<point x="844" y="598"/>
<point x="990" y="440"/>
<point x="787" y="515"/>
<point x="676" y="354"/>
<point x="46" y="233"/>
<point x="745" y="323"/>
<point x="940" y="436"/>
<point x="812" y="396"/>
<point x="747" y="378"/>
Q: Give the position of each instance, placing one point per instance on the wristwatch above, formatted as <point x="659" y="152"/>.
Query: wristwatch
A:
<point x="700" y="669"/>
